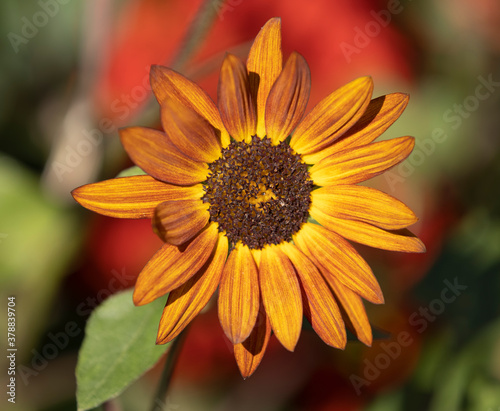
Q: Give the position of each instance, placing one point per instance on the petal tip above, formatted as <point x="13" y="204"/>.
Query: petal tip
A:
<point x="273" y="21"/>
<point x="365" y="80"/>
<point x="291" y="344"/>
<point x="164" y="337"/>
<point x="75" y="193"/>
<point x="379" y="298"/>
<point x="139" y="298"/>
<point x="421" y="246"/>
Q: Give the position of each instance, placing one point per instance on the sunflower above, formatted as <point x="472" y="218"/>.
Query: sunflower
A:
<point x="258" y="199"/>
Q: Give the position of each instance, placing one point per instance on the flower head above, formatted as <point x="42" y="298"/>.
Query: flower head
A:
<point x="258" y="199"/>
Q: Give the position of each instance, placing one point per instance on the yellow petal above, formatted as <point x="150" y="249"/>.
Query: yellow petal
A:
<point x="339" y="259"/>
<point x="319" y="303"/>
<point x="281" y="295"/>
<point x="367" y="234"/>
<point x="380" y="114"/>
<point x="235" y="102"/>
<point x="264" y="66"/>
<point x="256" y="256"/>
<point x="355" y="310"/>
<point x="167" y="84"/>
<point x="288" y="98"/>
<point x="176" y="222"/>
<point x="249" y="353"/>
<point x="172" y="266"/>
<point x="239" y="295"/>
<point x="152" y="151"/>
<point x="332" y="116"/>
<point x="364" y="204"/>
<point x="131" y="197"/>
<point x="185" y="302"/>
<point x="354" y="165"/>
<point x="191" y="134"/>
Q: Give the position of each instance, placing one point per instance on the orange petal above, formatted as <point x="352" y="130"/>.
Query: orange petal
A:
<point x="358" y="164"/>
<point x="167" y="84"/>
<point x="264" y="66"/>
<point x="239" y="295"/>
<point x="364" y="204"/>
<point x="235" y="103"/>
<point x="281" y="295"/>
<point x="156" y="155"/>
<point x="172" y="266"/>
<point x="185" y="302"/>
<point x="288" y="98"/>
<point x="369" y="235"/>
<point x="190" y="133"/>
<point x="380" y="114"/>
<point x="332" y="116"/>
<point x="176" y="222"/>
<point x="355" y="310"/>
<point x="319" y="303"/>
<point x="339" y="259"/>
<point x="249" y="353"/>
<point x="131" y="197"/>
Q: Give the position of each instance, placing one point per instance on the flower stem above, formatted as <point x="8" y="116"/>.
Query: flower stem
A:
<point x="197" y="31"/>
<point x="160" y="402"/>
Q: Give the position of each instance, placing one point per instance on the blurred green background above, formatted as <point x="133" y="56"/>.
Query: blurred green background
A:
<point x="72" y="72"/>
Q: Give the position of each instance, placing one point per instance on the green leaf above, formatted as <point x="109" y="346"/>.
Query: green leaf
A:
<point x="131" y="171"/>
<point x="119" y="346"/>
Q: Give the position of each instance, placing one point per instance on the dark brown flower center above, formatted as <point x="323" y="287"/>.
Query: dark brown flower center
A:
<point x="258" y="193"/>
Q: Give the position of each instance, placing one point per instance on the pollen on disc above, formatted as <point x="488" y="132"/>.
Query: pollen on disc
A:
<point x="258" y="193"/>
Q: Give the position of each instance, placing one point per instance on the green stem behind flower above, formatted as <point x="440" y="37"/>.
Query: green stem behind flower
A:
<point x="160" y="402"/>
<point x="197" y="31"/>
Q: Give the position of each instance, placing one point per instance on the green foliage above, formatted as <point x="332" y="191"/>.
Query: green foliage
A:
<point x="131" y="171"/>
<point x="37" y="243"/>
<point x="119" y="347"/>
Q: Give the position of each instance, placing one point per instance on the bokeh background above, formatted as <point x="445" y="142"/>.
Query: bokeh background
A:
<point x="72" y="72"/>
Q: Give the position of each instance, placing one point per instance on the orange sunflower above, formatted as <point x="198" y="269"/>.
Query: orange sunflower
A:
<point x="255" y="198"/>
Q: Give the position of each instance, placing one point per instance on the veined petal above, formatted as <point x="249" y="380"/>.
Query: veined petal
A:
<point x="172" y="266"/>
<point x="332" y="116"/>
<point x="235" y="102"/>
<point x="156" y="155"/>
<point x="380" y="114"/>
<point x="190" y="133"/>
<point x="319" y="303"/>
<point x="167" y="84"/>
<point x="367" y="234"/>
<point x="131" y="197"/>
<point x="339" y="259"/>
<point x="281" y="295"/>
<point x="364" y="204"/>
<point x="288" y="99"/>
<point x="249" y="353"/>
<point x="354" y="165"/>
<point x="185" y="302"/>
<point x="264" y="66"/>
<point x="176" y="222"/>
<point x="239" y="295"/>
<point x="256" y="256"/>
<point x="355" y="310"/>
